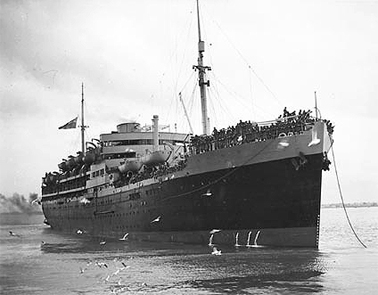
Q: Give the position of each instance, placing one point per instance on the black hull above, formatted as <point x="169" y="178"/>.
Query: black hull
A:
<point x="274" y="197"/>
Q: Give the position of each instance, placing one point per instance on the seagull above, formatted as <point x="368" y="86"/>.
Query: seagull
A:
<point x="101" y="264"/>
<point x="79" y="231"/>
<point x="157" y="219"/>
<point x="13" y="234"/>
<point x="116" y="272"/>
<point x="102" y="242"/>
<point x="207" y="194"/>
<point x="123" y="268"/>
<point x="215" y="231"/>
<point x="216" y="251"/>
<point x="124" y="238"/>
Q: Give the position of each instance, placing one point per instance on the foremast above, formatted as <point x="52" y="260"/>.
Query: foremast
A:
<point x="203" y="82"/>
<point x="82" y="119"/>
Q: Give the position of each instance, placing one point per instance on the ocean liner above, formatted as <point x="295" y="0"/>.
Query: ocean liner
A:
<point x="257" y="182"/>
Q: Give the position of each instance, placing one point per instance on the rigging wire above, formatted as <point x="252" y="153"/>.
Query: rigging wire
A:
<point x="215" y="121"/>
<point x="179" y="118"/>
<point x="184" y="54"/>
<point x="221" y="105"/>
<point x="239" y="96"/>
<point x="250" y="93"/>
<point x="190" y="104"/>
<point x="187" y="81"/>
<point x="178" y="60"/>
<point x="248" y="64"/>
<point x="342" y="200"/>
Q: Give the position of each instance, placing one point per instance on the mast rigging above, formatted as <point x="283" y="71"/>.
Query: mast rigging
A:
<point x="82" y="119"/>
<point x="186" y="113"/>
<point x="202" y="78"/>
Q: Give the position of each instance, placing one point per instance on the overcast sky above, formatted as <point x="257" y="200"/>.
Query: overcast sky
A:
<point x="134" y="57"/>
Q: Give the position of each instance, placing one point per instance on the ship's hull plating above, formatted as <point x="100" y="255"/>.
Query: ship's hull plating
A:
<point x="275" y="201"/>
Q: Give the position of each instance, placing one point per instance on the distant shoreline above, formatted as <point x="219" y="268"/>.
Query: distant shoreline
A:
<point x="351" y="205"/>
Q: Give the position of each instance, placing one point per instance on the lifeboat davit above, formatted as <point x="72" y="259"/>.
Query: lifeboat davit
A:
<point x="130" y="165"/>
<point x="155" y="158"/>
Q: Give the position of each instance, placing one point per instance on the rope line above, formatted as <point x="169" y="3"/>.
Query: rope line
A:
<point x="222" y="177"/>
<point x="342" y="200"/>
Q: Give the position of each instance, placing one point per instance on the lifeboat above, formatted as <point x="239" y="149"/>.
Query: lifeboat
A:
<point x="63" y="166"/>
<point x="79" y="158"/>
<point x="155" y="158"/>
<point x="90" y="145"/>
<point x="90" y="157"/>
<point x="130" y="165"/>
<point x="71" y="162"/>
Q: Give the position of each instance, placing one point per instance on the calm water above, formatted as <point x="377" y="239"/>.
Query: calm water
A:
<point x="67" y="264"/>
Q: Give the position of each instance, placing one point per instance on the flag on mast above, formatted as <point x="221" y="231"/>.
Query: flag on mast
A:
<point x="69" y="125"/>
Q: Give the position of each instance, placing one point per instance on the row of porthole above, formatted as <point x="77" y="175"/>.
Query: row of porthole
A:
<point x="115" y="215"/>
<point x="132" y="212"/>
<point x="143" y="203"/>
<point x="107" y="216"/>
<point x="106" y="202"/>
<point x="127" y="227"/>
<point x="151" y="191"/>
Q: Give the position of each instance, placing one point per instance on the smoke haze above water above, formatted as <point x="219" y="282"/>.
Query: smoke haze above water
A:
<point x="19" y="204"/>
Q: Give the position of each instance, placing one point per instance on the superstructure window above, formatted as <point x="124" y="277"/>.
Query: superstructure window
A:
<point x="130" y="142"/>
<point x="120" y="155"/>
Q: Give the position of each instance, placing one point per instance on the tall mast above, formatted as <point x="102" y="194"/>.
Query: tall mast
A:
<point x="203" y="82"/>
<point x="82" y="118"/>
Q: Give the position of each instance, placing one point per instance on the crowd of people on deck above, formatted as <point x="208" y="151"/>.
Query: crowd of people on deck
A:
<point x="288" y="123"/>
